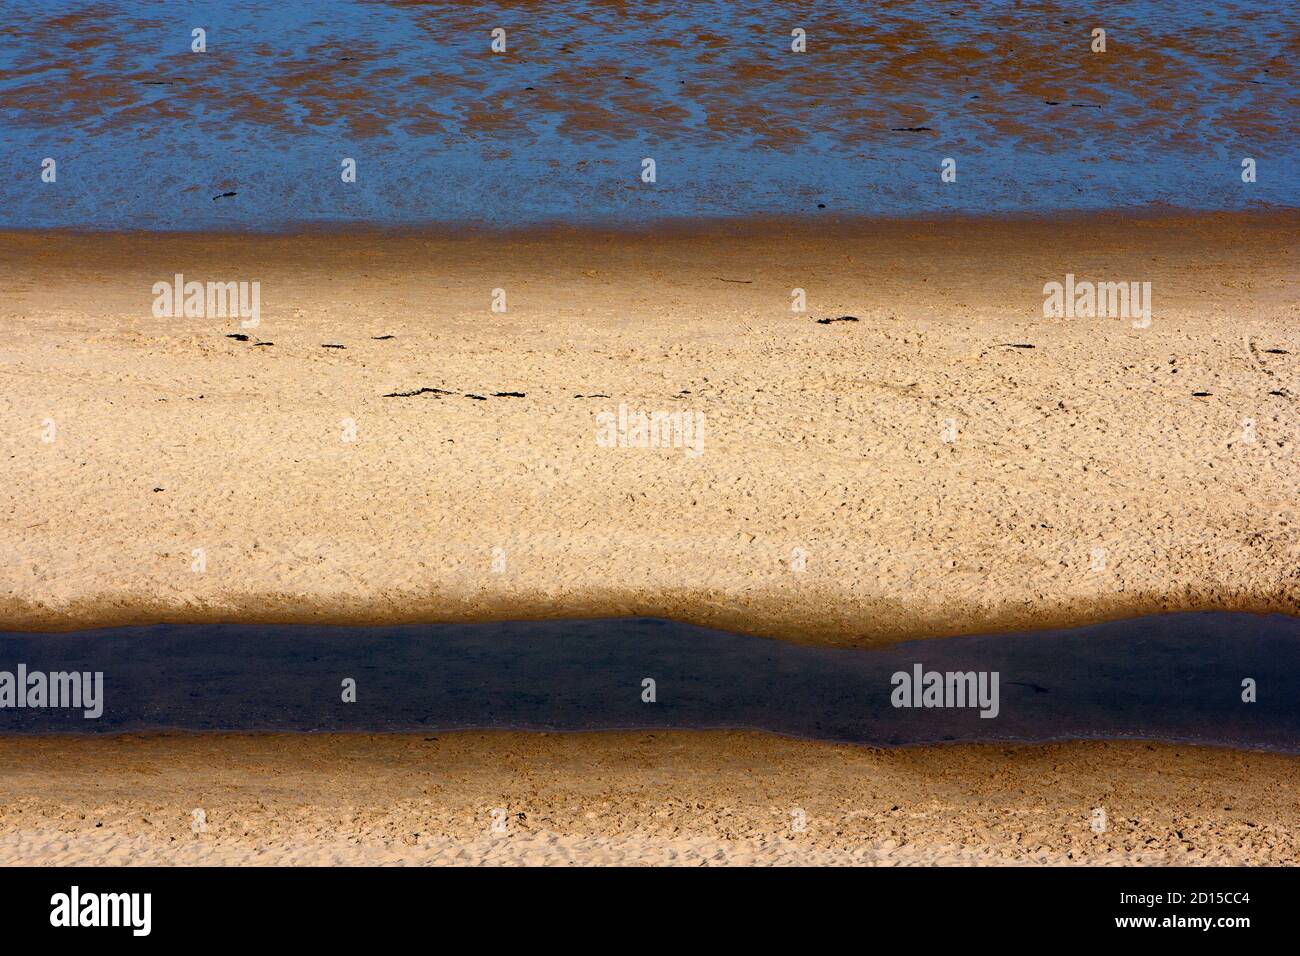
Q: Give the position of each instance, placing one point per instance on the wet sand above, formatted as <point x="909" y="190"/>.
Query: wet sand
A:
<point x="1102" y="473"/>
<point x="667" y="798"/>
<point x="554" y="128"/>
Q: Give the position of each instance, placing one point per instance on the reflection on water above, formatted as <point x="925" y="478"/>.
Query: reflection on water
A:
<point x="252" y="132"/>
<point x="1170" y="677"/>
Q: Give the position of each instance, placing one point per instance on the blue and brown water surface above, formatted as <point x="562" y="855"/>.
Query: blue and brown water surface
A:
<point x="252" y="133"/>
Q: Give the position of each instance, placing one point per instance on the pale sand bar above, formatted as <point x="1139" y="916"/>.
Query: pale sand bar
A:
<point x="626" y="798"/>
<point x="172" y="437"/>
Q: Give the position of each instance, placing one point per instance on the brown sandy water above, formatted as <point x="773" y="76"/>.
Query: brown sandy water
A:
<point x="248" y="135"/>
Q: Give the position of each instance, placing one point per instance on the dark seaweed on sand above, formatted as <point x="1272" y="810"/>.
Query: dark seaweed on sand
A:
<point x="418" y="391"/>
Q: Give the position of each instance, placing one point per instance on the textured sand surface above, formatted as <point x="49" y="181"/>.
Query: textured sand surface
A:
<point x="680" y="798"/>
<point x="827" y="438"/>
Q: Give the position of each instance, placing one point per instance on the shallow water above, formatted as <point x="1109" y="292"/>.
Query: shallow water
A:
<point x="1168" y="677"/>
<point x="251" y="133"/>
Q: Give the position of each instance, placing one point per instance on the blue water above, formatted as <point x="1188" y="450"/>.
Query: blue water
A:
<point x="1171" y="677"/>
<point x="149" y="135"/>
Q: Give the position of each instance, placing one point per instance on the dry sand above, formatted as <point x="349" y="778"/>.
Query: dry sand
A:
<point x="828" y="438"/>
<point x="679" y="798"/>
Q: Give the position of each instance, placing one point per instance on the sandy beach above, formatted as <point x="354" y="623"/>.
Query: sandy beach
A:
<point x="950" y="462"/>
<point x="382" y="446"/>
<point x="564" y="434"/>
<point x="717" y="798"/>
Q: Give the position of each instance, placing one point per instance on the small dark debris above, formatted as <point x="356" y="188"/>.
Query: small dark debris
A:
<point x="842" y="318"/>
<point x="259" y="344"/>
<point x="596" y="395"/>
<point x="1201" y="394"/>
<point x="1278" y="394"/>
<point x="224" y="196"/>
<point x="477" y="398"/>
<point x="821" y="205"/>
<point x="382" y="338"/>
<point x="737" y="281"/>
<point x="418" y="391"/>
<point x="1277" y="351"/>
<point x="238" y="336"/>
<point x="910" y="129"/>
<point x="507" y="394"/>
<point x="159" y="489"/>
<point x="331" y="345"/>
<point x="1052" y="102"/>
<point x="1019" y="345"/>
